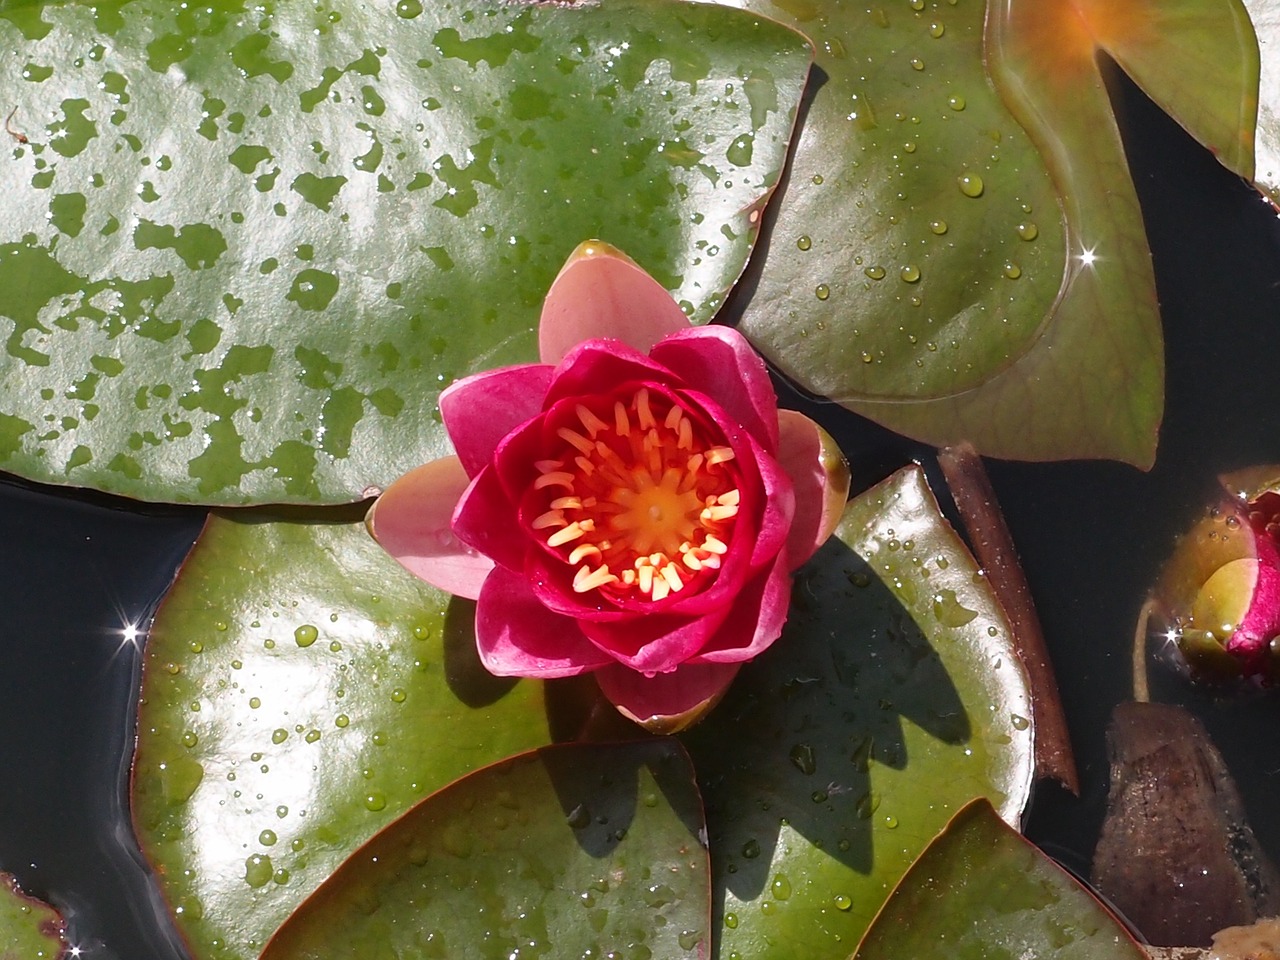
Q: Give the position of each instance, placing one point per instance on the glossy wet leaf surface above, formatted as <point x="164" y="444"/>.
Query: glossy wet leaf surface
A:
<point x="892" y="698"/>
<point x="1265" y="15"/>
<point x="300" y="690"/>
<point x="981" y="890"/>
<point x="245" y="247"/>
<point x="573" y="851"/>
<point x="29" y="929"/>
<point x="959" y="260"/>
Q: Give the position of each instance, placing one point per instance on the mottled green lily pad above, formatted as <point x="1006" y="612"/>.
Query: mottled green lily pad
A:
<point x="573" y="851"/>
<point x="246" y="246"/>
<point x="981" y="890"/>
<point x="959" y="253"/>
<point x="892" y="699"/>
<point x="300" y="691"/>
<point x="29" y="929"/>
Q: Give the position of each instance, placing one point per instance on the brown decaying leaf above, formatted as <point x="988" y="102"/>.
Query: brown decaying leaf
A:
<point x="1176" y="854"/>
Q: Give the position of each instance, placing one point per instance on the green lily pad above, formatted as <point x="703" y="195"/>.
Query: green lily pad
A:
<point x="29" y="929"/>
<point x="246" y="247"/>
<point x="573" y="851"/>
<point x="1265" y="15"/>
<point x="300" y="691"/>
<point x="893" y="698"/>
<point x="981" y="890"/>
<point x="959" y="253"/>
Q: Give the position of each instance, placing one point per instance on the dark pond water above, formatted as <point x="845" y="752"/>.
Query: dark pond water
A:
<point x="79" y="569"/>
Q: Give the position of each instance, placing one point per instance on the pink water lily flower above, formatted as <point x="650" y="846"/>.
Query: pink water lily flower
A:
<point x="632" y="506"/>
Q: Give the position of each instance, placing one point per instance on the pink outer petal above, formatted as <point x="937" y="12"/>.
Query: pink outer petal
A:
<point x="601" y="292"/>
<point x="654" y="643"/>
<point x="756" y="620"/>
<point x="519" y="637"/>
<point x="486" y="520"/>
<point x="600" y="366"/>
<point x="479" y="411"/>
<point x="668" y="702"/>
<point x="820" y="476"/>
<point x="720" y="362"/>
<point x="411" y="521"/>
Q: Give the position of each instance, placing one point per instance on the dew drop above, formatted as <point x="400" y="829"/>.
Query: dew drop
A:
<point x="751" y="849"/>
<point x="822" y="291"/>
<point x="804" y="243"/>
<point x="910" y="273"/>
<point x="917" y="4"/>
<point x="956" y="102"/>
<point x="1028" y="230"/>
<point x="1012" y="270"/>
<point x="279" y="735"/>
<point x="189" y="739"/>
<point x="842" y="902"/>
<point x="688" y="939"/>
<point x="282" y="811"/>
<point x="267" y="838"/>
<point x="306" y="635"/>
<point x="803" y="758"/>
<point x="254" y="703"/>
<point x="875" y="273"/>
<point x="917" y="63"/>
<point x="258" y="870"/>
<point x="408" y="9"/>
<point x="1019" y="722"/>
<point x="341" y="720"/>
<point x="398" y="695"/>
<point x="375" y="800"/>
<point x="936" y="30"/>
<point x="939" y="227"/>
<point x="970" y="184"/>
<point x="817" y="179"/>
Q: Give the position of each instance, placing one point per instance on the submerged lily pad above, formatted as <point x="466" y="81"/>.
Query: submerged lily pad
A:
<point x="244" y="248"/>
<point x="300" y="691"/>
<point x="981" y="890"/>
<point x="959" y="253"/>
<point x="893" y="698"/>
<point x="573" y="851"/>
<point x="29" y="929"/>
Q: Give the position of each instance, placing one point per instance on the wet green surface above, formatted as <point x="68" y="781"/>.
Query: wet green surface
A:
<point x="575" y="851"/>
<point x="892" y="699"/>
<point x="29" y="929"/>
<point x="982" y="891"/>
<point x="300" y="691"/>
<point x="245" y="248"/>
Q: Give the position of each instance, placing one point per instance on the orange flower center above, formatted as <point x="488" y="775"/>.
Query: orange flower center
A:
<point x="640" y="501"/>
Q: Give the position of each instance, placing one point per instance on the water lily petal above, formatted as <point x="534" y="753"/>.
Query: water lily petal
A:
<point x="656" y="642"/>
<point x="667" y="702"/>
<point x="820" y="475"/>
<point x="411" y="520"/>
<point x="720" y="362"/>
<point x="519" y="637"/>
<point x="600" y="365"/>
<point x="479" y="411"/>
<point x="486" y="520"/>
<point x="601" y="292"/>
<point x="756" y="620"/>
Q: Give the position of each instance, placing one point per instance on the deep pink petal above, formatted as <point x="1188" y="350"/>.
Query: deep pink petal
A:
<point x="820" y="476"/>
<point x="668" y="702"/>
<point x="657" y="642"/>
<point x="720" y="362"/>
<point x="756" y="620"/>
<point x="601" y="292"/>
<point x="599" y="366"/>
<point x="486" y="520"/>
<point x="411" y="521"/>
<point x="519" y="637"/>
<point x="479" y="411"/>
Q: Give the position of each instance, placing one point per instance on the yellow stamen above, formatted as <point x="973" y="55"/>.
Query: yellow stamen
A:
<point x="557" y="478"/>
<point x="566" y="503"/>
<point x="713" y="544"/>
<point x="661" y="589"/>
<point x="584" y="550"/>
<point x="720" y="455"/>
<point x="590" y="421"/>
<point x="552" y="518"/>
<point x="578" y="440"/>
<point x="587" y="579"/>
<point x="574" y="531"/>
<point x="672" y="575"/>
<point x="621" y="422"/>
<point x="643" y="413"/>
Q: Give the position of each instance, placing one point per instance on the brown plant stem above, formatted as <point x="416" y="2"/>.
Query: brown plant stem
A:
<point x="993" y="547"/>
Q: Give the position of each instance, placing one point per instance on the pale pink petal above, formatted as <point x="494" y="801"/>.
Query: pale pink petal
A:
<point x="601" y="292"/>
<point x="599" y="366"/>
<point x="486" y="520"/>
<point x="757" y="618"/>
<point x="820" y="476"/>
<point x="719" y="362"/>
<point x="519" y="637"/>
<point x="411" y="521"/>
<point x="479" y="411"/>
<point x="668" y="702"/>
